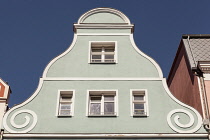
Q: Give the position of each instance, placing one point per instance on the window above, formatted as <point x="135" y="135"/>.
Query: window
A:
<point x="102" y="103"/>
<point x="102" y="52"/>
<point x="139" y="103"/>
<point x="65" y="103"/>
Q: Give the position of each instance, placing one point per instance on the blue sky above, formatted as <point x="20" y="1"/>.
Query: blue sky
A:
<point x="33" y="32"/>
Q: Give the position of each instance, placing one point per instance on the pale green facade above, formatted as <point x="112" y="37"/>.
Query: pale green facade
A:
<point x="73" y="71"/>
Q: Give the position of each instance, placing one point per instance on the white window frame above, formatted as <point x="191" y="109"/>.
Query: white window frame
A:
<point x="145" y="101"/>
<point x="102" y="93"/>
<point x="63" y="92"/>
<point x="103" y="56"/>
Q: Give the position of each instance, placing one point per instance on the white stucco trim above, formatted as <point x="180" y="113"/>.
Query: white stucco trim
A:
<point x="206" y="77"/>
<point x="201" y="98"/>
<point x="103" y="26"/>
<point x="102" y="10"/>
<point x="146" y="56"/>
<point x="20" y="105"/>
<point x="116" y="100"/>
<point x="146" y="100"/>
<point x="101" y="79"/>
<point x="58" y="101"/>
<point x="26" y="123"/>
<point x="107" y="135"/>
<point x="59" y="56"/>
<point x="199" y="118"/>
<point x="176" y="121"/>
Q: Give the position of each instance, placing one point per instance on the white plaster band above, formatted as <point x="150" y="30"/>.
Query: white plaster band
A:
<point x="118" y="135"/>
<point x="99" y="79"/>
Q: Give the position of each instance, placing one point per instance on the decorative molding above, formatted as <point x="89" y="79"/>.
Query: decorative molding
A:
<point x="176" y="120"/>
<point x="25" y="124"/>
<point x="20" y="105"/>
<point x="103" y="26"/>
<point x="102" y="10"/>
<point x="199" y="118"/>
<point x="100" y="79"/>
<point x="146" y="56"/>
<point x="115" y="135"/>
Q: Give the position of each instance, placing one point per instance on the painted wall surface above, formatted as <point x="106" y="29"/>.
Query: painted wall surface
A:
<point x="160" y="104"/>
<point x="4" y="97"/>
<point x="130" y="63"/>
<point x="207" y="88"/>
<point x="71" y="71"/>
<point x="183" y="83"/>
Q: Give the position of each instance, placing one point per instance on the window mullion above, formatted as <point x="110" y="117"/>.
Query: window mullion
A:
<point x="102" y="105"/>
<point x="103" y="54"/>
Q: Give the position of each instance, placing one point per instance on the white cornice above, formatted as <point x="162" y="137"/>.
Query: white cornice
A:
<point x="117" y="135"/>
<point x="100" y="79"/>
<point x="103" y="26"/>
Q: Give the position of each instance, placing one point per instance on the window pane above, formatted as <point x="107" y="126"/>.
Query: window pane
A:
<point x="109" y="56"/>
<point x="65" y="106"/>
<point x="95" y="108"/>
<point x="138" y="97"/>
<point x="108" y="108"/>
<point x="138" y="106"/>
<point x="140" y="112"/>
<point x="65" y="98"/>
<point x="109" y="49"/>
<point x="109" y="98"/>
<point x="96" y="49"/>
<point x="95" y="99"/>
<point x="96" y="56"/>
<point x="65" y="112"/>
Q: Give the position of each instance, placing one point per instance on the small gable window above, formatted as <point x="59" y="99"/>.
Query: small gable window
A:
<point x="103" y="52"/>
<point x="65" y="103"/>
<point x="139" y="103"/>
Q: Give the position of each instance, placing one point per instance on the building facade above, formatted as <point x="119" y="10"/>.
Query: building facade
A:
<point x="4" y="98"/>
<point x="103" y="87"/>
<point x="190" y="73"/>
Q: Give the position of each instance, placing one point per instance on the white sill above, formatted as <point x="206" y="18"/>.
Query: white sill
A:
<point x="102" y="62"/>
<point x="64" y="116"/>
<point x="103" y="115"/>
<point x="139" y="115"/>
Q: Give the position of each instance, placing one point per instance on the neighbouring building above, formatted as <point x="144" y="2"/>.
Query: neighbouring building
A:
<point x="103" y="87"/>
<point x="4" y="98"/>
<point x="189" y="78"/>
